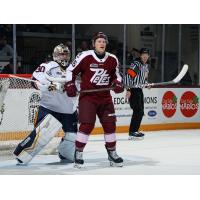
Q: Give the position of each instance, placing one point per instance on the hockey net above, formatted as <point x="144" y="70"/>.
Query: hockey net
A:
<point x="19" y="103"/>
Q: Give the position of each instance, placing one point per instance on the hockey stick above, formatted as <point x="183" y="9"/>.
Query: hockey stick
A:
<point x="21" y="78"/>
<point x="174" y="81"/>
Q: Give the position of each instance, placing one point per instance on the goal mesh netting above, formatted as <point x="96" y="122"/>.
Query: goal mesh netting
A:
<point x="19" y="102"/>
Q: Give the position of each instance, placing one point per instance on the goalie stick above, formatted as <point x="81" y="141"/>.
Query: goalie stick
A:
<point x="21" y="78"/>
<point x="58" y="86"/>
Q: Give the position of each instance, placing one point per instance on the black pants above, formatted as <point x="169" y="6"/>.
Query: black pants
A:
<point x="136" y="101"/>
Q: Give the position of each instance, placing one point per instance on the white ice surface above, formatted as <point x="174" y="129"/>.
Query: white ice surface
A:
<point x="161" y="152"/>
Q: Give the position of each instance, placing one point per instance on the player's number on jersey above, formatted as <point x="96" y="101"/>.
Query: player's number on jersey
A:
<point x="40" y="69"/>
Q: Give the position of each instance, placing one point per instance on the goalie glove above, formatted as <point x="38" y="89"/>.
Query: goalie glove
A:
<point x="56" y="87"/>
<point x="118" y="86"/>
<point x="50" y="86"/>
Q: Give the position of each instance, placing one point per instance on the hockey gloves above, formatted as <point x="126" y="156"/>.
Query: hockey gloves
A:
<point x="118" y="86"/>
<point x="70" y="89"/>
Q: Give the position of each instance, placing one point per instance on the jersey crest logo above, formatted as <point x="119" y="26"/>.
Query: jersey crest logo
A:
<point x="100" y="77"/>
<point x="93" y="65"/>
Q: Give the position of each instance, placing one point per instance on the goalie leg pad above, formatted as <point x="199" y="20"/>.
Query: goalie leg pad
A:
<point x="37" y="139"/>
<point x="66" y="148"/>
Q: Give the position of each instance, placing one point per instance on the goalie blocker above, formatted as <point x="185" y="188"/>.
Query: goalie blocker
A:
<point x="37" y="140"/>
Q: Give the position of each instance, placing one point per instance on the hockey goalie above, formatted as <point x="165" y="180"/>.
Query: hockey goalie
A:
<point x="56" y="111"/>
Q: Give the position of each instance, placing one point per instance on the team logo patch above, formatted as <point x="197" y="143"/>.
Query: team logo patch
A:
<point x="100" y="77"/>
<point x="93" y="65"/>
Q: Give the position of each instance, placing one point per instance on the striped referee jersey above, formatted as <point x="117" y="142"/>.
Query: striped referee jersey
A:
<point x="141" y="71"/>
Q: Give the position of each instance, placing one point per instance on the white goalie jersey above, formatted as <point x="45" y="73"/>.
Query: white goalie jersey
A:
<point x="57" y="101"/>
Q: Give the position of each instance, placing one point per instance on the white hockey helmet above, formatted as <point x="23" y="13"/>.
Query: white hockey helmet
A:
<point x="61" y="54"/>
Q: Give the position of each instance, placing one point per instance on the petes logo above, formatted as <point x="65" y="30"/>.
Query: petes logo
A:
<point x="100" y="77"/>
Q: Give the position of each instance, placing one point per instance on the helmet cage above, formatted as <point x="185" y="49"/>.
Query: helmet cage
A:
<point x="58" y="52"/>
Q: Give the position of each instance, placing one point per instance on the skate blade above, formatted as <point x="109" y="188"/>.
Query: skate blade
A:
<point x="113" y="164"/>
<point x="22" y="164"/>
<point x="135" y="138"/>
<point x="78" y="166"/>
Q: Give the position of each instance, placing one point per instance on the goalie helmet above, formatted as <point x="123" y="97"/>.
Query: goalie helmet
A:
<point x="99" y="35"/>
<point x="61" y="55"/>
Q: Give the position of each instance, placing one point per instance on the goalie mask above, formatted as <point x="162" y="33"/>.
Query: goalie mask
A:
<point x="61" y="55"/>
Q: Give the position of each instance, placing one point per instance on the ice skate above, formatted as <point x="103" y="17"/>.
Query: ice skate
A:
<point x="20" y="163"/>
<point x="78" y="159"/>
<point x="115" y="160"/>
<point x="136" y="136"/>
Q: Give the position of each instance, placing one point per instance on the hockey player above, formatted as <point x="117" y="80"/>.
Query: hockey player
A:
<point x="98" y="69"/>
<point x="56" y="111"/>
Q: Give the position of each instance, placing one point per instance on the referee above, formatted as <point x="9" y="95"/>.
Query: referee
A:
<point x="137" y="74"/>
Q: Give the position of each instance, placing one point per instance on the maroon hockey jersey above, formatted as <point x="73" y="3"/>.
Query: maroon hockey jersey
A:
<point x="95" y="73"/>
